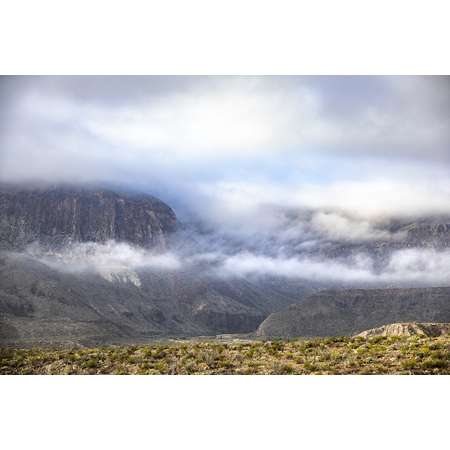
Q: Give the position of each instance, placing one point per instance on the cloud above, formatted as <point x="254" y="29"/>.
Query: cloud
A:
<point x="409" y="267"/>
<point x="112" y="260"/>
<point x="247" y="264"/>
<point x="120" y="262"/>
<point x="237" y="151"/>
<point x="342" y="210"/>
<point x="337" y="227"/>
<point x="166" y="121"/>
<point x="423" y="265"/>
<point x="269" y="168"/>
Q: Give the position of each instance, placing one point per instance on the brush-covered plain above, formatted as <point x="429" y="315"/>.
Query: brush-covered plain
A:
<point x="337" y="355"/>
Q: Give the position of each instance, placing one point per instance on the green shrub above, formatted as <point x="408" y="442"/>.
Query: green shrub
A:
<point x="434" y="363"/>
<point x="286" y="369"/>
<point x="409" y="364"/>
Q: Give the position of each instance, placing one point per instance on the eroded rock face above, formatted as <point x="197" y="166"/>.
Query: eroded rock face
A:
<point x="408" y="329"/>
<point x="61" y="215"/>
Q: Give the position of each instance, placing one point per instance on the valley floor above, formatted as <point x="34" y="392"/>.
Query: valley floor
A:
<point x="343" y="355"/>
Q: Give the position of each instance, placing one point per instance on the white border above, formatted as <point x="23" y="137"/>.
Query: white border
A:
<point x="233" y="37"/>
<point x="218" y="37"/>
<point x="224" y="412"/>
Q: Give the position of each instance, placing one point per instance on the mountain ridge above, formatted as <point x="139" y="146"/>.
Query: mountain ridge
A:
<point x="351" y="311"/>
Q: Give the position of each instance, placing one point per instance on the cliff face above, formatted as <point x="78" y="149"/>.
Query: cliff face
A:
<point x="56" y="216"/>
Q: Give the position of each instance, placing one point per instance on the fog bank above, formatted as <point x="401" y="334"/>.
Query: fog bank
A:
<point x="123" y="262"/>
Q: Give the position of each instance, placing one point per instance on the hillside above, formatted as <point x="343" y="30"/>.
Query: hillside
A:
<point x="347" y="312"/>
<point x="42" y="305"/>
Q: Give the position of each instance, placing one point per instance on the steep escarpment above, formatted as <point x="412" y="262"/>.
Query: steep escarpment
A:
<point x="57" y="216"/>
<point x="347" y="312"/>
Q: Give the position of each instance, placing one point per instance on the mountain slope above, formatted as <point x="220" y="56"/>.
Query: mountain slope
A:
<point x="346" y="312"/>
<point x="39" y="304"/>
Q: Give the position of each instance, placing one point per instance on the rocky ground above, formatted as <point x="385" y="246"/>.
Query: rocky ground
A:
<point x="417" y="354"/>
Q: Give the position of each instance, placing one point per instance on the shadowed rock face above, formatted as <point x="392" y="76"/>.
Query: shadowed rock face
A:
<point x="61" y="215"/>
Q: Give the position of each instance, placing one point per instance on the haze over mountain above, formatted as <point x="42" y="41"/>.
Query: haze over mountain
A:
<point x="99" y="267"/>
<point x="96" y="266"/>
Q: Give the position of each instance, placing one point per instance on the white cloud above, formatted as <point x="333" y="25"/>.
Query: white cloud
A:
<point x="120" y="262"/>
<point x="405" y="267"/>
<point x="380" y="197"/>
<point x="336" y="226"/>
<point x="247" y="264"/>
<point x="425" y="265"/>
<point x="112" y="260"/>
<point x="215" y="121"/>
<point x="239" y="151"/>
<point x="343" y="209"/>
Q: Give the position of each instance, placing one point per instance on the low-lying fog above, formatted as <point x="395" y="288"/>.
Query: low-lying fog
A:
<point x="113" y="261"/>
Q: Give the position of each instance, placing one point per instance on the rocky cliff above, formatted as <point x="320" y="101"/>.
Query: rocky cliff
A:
<point x="60" y="215"/>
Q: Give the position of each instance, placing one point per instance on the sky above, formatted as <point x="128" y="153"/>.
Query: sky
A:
<point x="224" y="148"/>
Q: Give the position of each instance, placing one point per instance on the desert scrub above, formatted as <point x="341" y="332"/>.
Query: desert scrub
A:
<point x="337" y="355"/>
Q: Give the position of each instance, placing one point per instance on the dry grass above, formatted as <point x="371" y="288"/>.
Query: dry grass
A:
<point x="375" y="355"/>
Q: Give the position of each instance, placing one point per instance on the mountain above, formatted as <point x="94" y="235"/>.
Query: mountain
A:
<point x="40" y="304"/>
<point x="57" y="302"/>
<point x="351" y="311"/>
<point x="408" y="329"/>
<point x="43" y="302"/>
<point x="56" y="216"/>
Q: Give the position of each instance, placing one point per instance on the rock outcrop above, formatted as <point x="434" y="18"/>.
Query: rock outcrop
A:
<point x="60" y="215"/>
<point x="408" y="329"/>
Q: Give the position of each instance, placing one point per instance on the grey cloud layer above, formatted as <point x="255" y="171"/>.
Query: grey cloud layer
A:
<point x="362" y="145"/>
